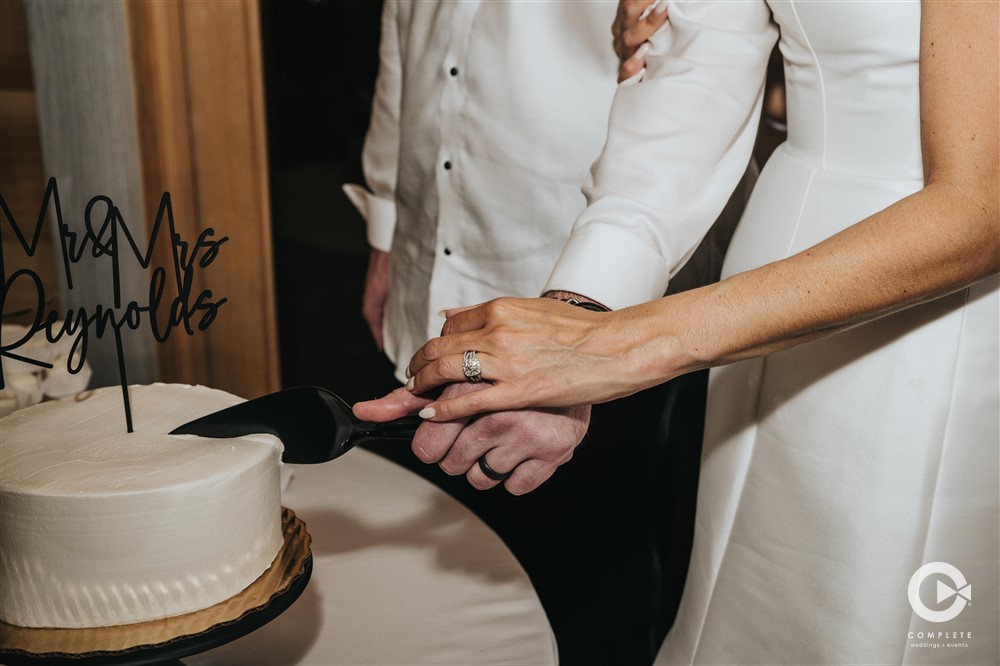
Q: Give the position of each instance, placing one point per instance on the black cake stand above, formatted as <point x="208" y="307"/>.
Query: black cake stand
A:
<point x="285" y="581"/>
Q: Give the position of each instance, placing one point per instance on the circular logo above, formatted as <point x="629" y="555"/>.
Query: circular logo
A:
<point x="959" y="588"/>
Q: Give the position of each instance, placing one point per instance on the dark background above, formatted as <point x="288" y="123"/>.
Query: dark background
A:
<point x="320" y="62"/>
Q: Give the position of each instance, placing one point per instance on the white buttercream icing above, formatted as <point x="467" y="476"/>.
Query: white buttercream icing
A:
<point x="101" y="527"/>
<point x="26" y="384"/>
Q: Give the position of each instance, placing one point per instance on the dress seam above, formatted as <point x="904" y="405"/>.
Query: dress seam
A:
<point x="941" y="450"/>
<point x="756" y="426"/>
<point x="763" y="369"/>
<point x="822" y="164"/>
<point x="794" y="235"/>
<point x="738" y="503"/>
<point x="819" y="76"/>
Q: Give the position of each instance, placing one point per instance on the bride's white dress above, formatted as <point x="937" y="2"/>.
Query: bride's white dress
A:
<point x="833" y="471"/>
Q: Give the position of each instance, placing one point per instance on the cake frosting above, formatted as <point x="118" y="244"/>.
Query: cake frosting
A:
<point x="26" y="384"/>
<point x="101" y="527"/>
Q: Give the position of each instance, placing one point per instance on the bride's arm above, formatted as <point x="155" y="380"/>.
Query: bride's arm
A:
<point x="934" y="242"/>
<point x="939" y="240"/>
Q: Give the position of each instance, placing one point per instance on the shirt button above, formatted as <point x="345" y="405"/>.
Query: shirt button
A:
<point x="453" y="71"/>
<point x="447" y="252"/>
<point x="447" y="166"/>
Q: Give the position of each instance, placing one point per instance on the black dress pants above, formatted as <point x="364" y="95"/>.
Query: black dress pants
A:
<point x="606" y="540"/>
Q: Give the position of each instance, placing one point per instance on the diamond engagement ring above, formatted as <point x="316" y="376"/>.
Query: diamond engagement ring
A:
<point x="471" y="367"/>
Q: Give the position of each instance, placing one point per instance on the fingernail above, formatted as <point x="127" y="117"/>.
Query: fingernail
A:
<point x="647" y="11"/>
<point x="640" y="52"/>
<point x="410" y="384"/>
<point x="427" y="413"/>
<point x="408" y="373"/>
<point x="441" y="313"/>
<point x="635" y="78"/>
<point x="661" y="6"/>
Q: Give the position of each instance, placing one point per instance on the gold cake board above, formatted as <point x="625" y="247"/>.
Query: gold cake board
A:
<point x="292" y="562"/>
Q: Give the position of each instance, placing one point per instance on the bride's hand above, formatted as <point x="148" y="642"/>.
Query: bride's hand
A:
<point x="535" y="352"/>
<point x="635" y="22"/>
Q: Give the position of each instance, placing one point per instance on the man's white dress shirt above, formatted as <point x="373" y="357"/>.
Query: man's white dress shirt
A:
<point x="486" y="119"/>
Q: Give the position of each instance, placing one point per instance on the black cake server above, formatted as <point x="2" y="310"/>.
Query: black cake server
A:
<point x="314" y="424"/>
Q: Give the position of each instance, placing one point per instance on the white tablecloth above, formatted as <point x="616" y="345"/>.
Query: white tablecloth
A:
<point x="402" y="574"/>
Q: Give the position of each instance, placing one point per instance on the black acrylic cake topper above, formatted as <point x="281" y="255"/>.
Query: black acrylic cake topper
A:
<point x="110" y="238"/>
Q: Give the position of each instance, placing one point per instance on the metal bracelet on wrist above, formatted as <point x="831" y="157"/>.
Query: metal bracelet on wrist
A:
<point x="586" y="305"/>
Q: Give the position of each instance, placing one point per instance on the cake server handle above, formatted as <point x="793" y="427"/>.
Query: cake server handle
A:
<point x="313" y="424"/>
<point x="403" y="428"/>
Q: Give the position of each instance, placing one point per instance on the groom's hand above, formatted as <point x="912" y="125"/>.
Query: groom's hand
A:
<point x="530" y="443"/>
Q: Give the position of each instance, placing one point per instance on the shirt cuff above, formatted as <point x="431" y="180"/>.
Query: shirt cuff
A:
<point x="379" y="214"/>
<point x="626" y="275"/>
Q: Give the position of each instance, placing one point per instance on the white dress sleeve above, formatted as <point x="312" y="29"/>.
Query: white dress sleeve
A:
<point x="380" y="154"/>
<point x="678" y="143"/>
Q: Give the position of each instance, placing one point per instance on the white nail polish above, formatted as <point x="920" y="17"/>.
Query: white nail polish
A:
<point x="427" y="413"/>
<point x="410" y="383"/>
<point x="661" y="6"/>
<point x="647" y="11"/>
<point x="640" y="52"/>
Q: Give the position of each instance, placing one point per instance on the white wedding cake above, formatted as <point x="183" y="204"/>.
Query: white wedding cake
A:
<point x="101" y="527"/>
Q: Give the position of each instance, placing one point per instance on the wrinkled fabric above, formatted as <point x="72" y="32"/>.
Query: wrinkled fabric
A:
<point x="486" y="119"/>
<point x="831" y="472"/>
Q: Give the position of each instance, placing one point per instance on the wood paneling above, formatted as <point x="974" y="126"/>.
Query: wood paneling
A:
<point x="15" y="59"/>
<point x="22" y="177"/>
<point x="199" y="96"/>
<point x="164" y="145"/>
<point x="22" y="185"/>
